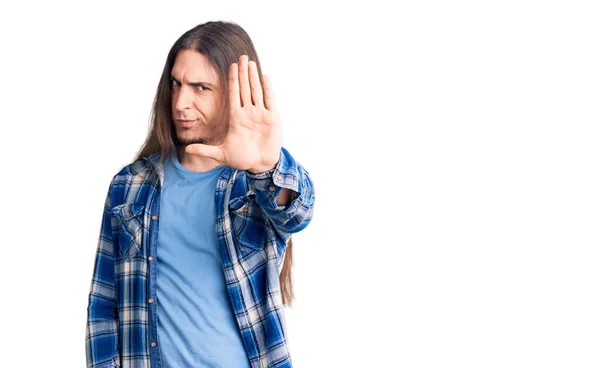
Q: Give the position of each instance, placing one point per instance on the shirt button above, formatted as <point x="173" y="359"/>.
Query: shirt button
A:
<point x="154" y="217"/>
<point x="150" y="300"/>
<point x="279" y="177"/>
<point x="128" y="213"/>
<point x="271" y="188"/>
<point x="150" y="258"/>
<point x="153" y="344"/>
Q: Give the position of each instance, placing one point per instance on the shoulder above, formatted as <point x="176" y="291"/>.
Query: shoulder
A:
<point x="132" y="178"/>
<point x="139" y="168"/>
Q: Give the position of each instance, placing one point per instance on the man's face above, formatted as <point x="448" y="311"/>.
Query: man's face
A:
<point x="195" y="99"/>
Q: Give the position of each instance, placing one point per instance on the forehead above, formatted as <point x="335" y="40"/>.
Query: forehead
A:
<point x="192" y="66"/>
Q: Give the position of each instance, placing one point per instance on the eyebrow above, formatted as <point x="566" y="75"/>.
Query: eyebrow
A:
<point x="195" y="84"/>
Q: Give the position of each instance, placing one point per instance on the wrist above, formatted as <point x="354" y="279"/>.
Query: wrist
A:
<point x="265" y="166"/>
<point x="261" y="169"/>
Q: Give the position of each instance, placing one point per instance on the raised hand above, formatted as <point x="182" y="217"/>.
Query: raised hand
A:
<point x="253" y="142"/>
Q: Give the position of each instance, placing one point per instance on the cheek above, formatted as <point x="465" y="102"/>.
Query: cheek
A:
<point x="206" y="105"/>
<point x="174" y="97"/>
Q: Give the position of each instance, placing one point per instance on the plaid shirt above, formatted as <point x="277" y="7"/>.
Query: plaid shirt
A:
<point x="252" y="231"/>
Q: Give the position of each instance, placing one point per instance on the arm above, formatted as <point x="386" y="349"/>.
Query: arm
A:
<point x="102" y="329"/>
<point x="288" y="179"/>
<point x="253" y="143"/>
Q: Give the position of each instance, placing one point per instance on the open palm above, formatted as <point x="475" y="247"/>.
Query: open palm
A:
<point x="253" y="141"/>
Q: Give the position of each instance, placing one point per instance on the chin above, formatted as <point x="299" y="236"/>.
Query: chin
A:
<point x="188" y="136"/>
<point x="184" y="141"/>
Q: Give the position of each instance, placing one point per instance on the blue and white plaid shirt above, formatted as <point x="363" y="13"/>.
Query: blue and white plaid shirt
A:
<point x="252" y="232"/>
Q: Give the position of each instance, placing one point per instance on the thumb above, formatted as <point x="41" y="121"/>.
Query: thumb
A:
<point x="205" y="150"/>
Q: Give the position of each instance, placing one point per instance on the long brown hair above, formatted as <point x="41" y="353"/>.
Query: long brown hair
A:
<point x="222" y="43"/>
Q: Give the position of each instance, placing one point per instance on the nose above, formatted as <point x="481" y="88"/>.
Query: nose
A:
<point x="182" y="98"/>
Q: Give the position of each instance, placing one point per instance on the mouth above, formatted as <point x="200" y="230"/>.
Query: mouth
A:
<point x="185" y="123"/>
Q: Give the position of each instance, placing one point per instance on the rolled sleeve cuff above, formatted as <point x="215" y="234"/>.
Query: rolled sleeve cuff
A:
<point x="268" y="184"/>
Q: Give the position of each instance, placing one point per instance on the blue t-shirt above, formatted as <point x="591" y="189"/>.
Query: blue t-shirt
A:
<point x="196" y="324"/>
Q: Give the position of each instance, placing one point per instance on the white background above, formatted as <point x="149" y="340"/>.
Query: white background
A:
<point x="453" y="146"/>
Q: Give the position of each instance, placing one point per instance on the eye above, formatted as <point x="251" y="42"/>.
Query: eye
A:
<point x="201" y="88"/>
<point x="174" y="82"/>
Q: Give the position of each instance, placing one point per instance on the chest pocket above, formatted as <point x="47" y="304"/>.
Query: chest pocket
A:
<point x="130" y="216"/>
<point x="249" y="224"/>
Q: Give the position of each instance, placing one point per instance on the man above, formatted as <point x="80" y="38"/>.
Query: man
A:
<point x="192" y="267"/>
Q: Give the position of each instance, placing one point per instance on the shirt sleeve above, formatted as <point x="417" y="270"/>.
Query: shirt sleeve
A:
<point x="289" y="174"/>
<point x="102" y="328"/>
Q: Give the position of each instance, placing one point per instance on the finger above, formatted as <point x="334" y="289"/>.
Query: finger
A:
<point x="205" y="150"/>
<point x="269" y="95"/>
<point x="255" y="86"/>
<point x="234" y="86"/>
<point x="244" y="82"/>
